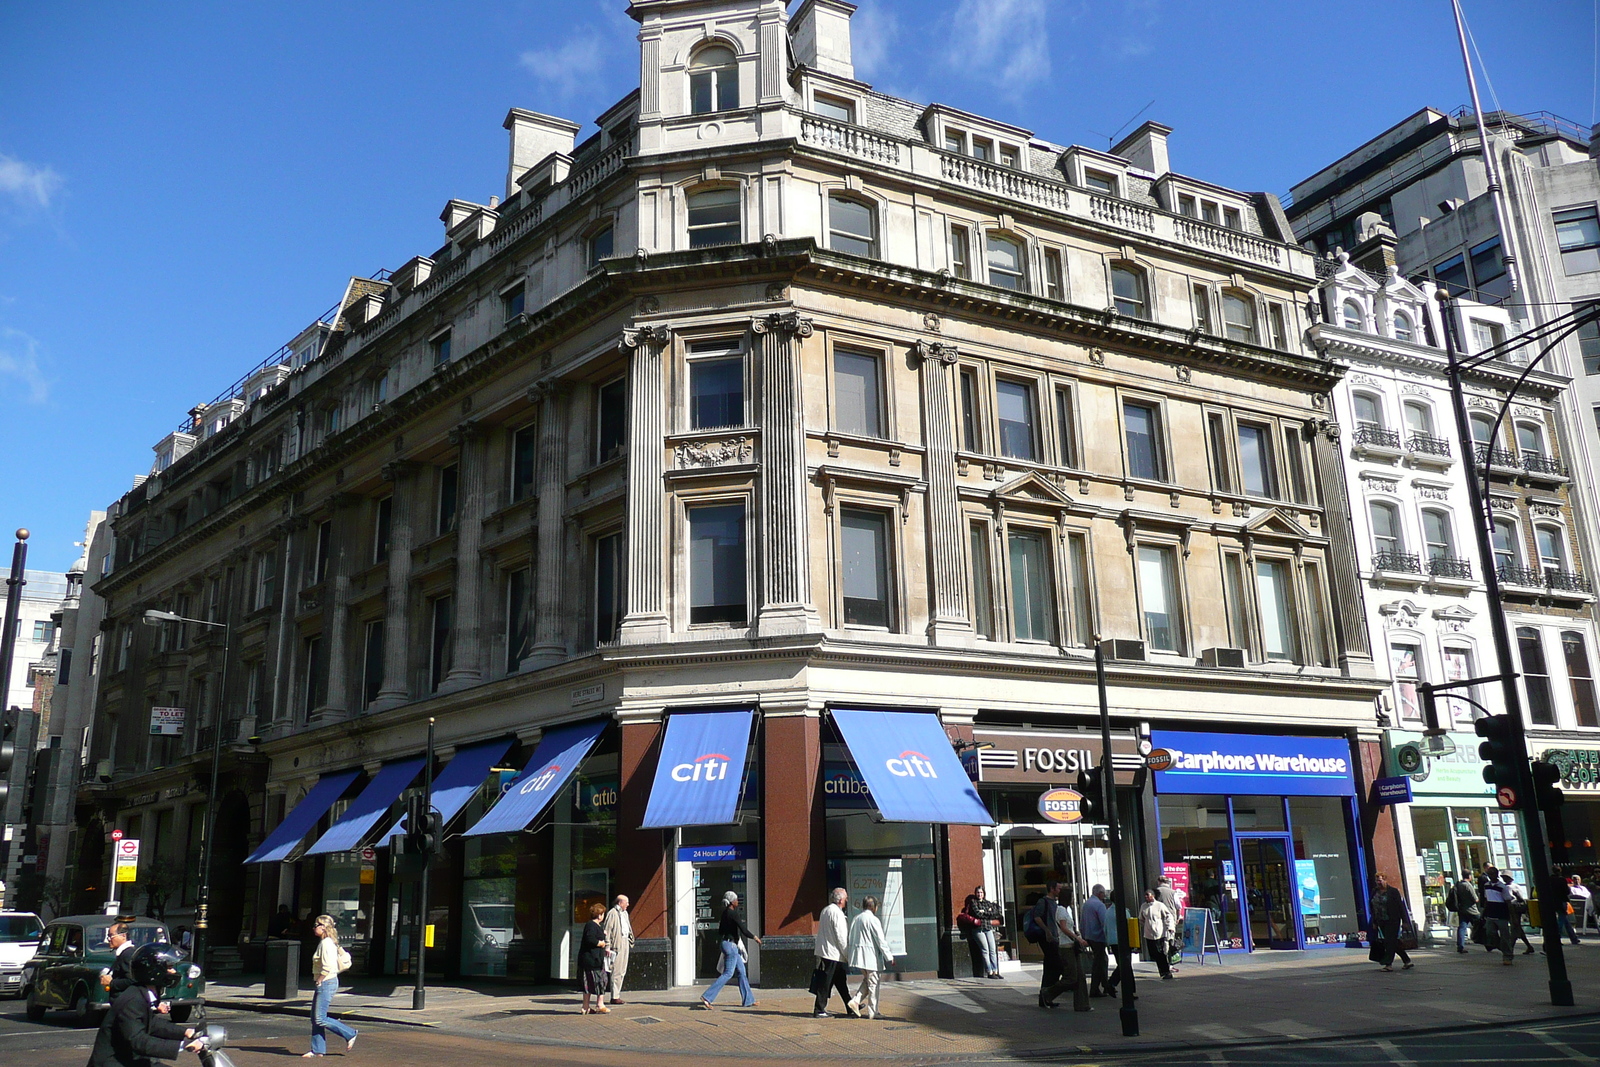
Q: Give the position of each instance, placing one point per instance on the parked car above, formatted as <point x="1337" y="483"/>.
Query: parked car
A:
<point x="19" y="940"/>
<point x="73" y="953"/>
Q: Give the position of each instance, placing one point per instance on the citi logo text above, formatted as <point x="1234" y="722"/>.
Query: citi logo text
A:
<point x="910" y="764"/>
<point x="541" y="781"/>
<point x="712" y="767"/>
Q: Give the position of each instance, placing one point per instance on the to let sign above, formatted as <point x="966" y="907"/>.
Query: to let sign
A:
<point x="166" y="722"/>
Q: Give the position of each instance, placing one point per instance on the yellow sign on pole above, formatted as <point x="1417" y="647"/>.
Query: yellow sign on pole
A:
<point x="427" y="937"/>
<point x="127" y="854"/>
<point x="128" y="872"/>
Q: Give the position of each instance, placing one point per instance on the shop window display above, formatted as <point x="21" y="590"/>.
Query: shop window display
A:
<point x="1323" y="878"/>
<point x="1194" y="833"/>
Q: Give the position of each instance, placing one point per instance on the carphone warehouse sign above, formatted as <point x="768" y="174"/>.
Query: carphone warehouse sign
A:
<point x="1254" y="764"/>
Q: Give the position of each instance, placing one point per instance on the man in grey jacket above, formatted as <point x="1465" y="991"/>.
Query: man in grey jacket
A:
<point x="832" y="948"/>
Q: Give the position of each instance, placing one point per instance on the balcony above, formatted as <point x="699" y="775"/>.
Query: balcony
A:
<point x="1567" y="582"/>
<point x="1427" y="450"/>
<point x="1370" y="439"/>
<point x="1450" y="568"/>
<point x="1525" y="577"/>
<point x="1397" y="563"/>
<point x="1544" y="467"/>
<point x="1500" y="458"/>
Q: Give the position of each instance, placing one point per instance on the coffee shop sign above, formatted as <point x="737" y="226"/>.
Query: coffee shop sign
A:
<point x="1580" y="767"/>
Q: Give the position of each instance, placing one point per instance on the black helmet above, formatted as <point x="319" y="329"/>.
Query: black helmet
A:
<point x="155" y="966"/>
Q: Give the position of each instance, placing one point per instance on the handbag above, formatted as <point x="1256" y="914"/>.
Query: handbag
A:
<point x="1408" y="935"/>
<point x="821" y="979"/>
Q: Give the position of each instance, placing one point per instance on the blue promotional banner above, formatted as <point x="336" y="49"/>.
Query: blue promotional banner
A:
<point x="701" y="769"/>
<point x="281" y="842"/>
<point x="910" y="767"/>
<point x="461" y="777"/>
<point x="365" y="811"/>
<point x="560" y="751"/>
<point x="1251" y="764"/>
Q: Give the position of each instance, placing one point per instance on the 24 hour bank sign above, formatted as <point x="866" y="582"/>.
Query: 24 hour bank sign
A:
<point x="1252" y="764"/>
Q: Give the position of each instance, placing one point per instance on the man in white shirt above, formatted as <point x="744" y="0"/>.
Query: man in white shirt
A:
<point x="1062" y="945"/>
<point x="832" y="948"/>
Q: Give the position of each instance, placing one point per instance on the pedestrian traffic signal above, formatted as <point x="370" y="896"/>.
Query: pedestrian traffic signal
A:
<point x="1546" y="794"/>
<point x="1093" y="804"/>
<point x="1497" y="753"/>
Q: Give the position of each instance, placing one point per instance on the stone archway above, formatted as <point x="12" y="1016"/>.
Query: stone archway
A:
<point x="227" y="868"/>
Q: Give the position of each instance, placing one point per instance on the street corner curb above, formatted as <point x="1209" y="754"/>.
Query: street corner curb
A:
<point x="303" y="1010"/>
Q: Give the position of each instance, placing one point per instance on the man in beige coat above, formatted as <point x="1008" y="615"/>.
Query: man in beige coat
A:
<point x="619" y="939"/>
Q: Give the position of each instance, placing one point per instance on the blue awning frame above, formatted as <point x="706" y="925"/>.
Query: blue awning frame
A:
<point x="365" y="810"/>
<point x="692" y="785"/>
<point x="556" y="759"/>
<point x="302" y="817"/>
<point x="455" y="785"/>
<point x="910" y="767"/>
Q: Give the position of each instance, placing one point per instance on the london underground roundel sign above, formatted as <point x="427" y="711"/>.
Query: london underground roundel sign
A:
<point x="1061" y="805"/>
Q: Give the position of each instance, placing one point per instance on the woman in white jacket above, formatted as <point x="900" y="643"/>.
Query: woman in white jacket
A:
<point x="869" y="952"/>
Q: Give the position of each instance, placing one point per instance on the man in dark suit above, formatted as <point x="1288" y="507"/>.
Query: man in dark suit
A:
<point x="133" y="1034"/>
<point x="117" y="937"/>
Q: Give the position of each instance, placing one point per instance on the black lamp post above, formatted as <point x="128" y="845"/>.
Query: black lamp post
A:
<point x="1550" y="334"/>
<point x="202" y="902"/>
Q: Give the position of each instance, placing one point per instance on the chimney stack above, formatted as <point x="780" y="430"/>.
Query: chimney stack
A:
<point x="534" y="137"/>
<point x="1146" y="148"/>
<point x="820" y="32"/>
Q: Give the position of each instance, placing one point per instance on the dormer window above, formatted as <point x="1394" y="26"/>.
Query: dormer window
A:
<point x="1187" y="206"/>
<point x="1402" y="326"/>
<point x="1100" y="182"/>
<point x="955" y="141"/>
<point x="1208" y="211"/>
<point x="832" y="107"/>
<point x="982" y="149"/>
<point x="1232" y="219"/>
<point x="1008" y="156"/>
<point x="713" y="81"/>
<point x="1352" y="315"/>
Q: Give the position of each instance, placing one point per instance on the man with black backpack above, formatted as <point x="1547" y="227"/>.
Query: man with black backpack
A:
<point x="1050" y="926"/>
<point x="1463" y="900"/>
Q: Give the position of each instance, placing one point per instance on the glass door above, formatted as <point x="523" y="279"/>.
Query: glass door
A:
<point x="1269" y="891"/>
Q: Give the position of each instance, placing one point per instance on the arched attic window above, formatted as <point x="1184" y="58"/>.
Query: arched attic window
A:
<point x="713" y="80"/>
<point x="1351" y="315"/>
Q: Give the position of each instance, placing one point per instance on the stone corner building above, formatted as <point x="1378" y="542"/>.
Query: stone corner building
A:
<point x="777" y="396"/>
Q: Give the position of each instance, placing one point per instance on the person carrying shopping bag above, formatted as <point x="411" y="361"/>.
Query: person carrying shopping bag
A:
<point x="329" y="961"/>
<point x="868" y="951"/>
<point x="732" y="933"/>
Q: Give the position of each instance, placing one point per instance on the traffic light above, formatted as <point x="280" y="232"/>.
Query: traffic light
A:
<point x="8" y="754"/>
<point x="1501" y="770"/>
<point x="1546" y="794"/>
<point x="1093" y="805"/>
<point x="424" y="828"/>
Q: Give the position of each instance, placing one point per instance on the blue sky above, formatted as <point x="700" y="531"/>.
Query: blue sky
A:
<point x="183" y="186"/>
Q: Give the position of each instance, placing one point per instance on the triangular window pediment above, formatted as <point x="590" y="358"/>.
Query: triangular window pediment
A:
<point x="1033" y="488"/>
<point x="1274" y="523"/>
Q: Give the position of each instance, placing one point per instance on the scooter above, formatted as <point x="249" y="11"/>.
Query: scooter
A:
<point x="210" y="1051"/>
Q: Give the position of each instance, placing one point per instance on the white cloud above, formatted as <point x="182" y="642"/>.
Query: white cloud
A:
<point x="29" y="185"/>
<point x="1005" y="41"/>
<point x="570" y="68"/>
<point x="874" y="37"/>
<point x="19" y="359"/>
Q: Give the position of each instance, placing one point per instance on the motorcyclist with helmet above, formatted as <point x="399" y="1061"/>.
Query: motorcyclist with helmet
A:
<point x="133" y="1033"/>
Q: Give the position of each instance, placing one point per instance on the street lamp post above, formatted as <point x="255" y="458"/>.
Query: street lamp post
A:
<point x="1552" y="334"/>
<point x="1120" y="890"/>
<point x="202" y="902"/>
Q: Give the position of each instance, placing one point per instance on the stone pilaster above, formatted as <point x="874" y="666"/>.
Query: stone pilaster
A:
<point x="1349" y="621"/>
<point x="645" y="620"/>
<point x="950" y="619"/>
<point x="466" y="664"/>
<point x="336" y="595"/>
<point x="396" y="687"/>
<point x="785" y="606"/>
<point x="549" y="600"/>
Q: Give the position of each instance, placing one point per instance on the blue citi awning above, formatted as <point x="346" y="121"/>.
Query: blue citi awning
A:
<point x="461" y="777"/>
<point x="554" y="761"/>
<point x="365" y="811"/>
<point x="303" y="817"/>
<point x="701" y="769"/>
<point x="910" y="768"/>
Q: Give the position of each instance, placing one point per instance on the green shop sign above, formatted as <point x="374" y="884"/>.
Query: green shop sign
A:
<point x="1459" y="774"/>
<point x="1580" y="767"/>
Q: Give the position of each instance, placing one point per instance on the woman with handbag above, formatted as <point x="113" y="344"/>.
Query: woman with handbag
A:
<point x="327" y="964"/>
<point x="731" y="932"/>
<point x="1389" y="914"/>
<point x="978" y="920"/>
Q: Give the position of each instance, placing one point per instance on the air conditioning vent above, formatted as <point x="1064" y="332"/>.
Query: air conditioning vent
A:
<point x="1116" y="648"/>
<point x="1223" y="657"/>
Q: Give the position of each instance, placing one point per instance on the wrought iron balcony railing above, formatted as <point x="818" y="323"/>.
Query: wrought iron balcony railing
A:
<point x="1450" y="567"/>
<point x="1536" y="463"/>
<point x="1371" y="434"/>
<point x="1397" y="562"/>
<point x="1512" y="574"/>
<point x="1497" y="457"/>
<point x="1567" y="581"/>
<point x="1428" y="445"/>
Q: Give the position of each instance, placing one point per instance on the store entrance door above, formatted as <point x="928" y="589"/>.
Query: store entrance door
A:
<point x="703" y="875"/>
<point x="1271" y="915"/>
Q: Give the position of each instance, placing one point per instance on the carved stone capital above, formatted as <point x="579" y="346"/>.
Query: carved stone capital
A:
<point x="548" y="389"/>
<point x="465" y="431"/>
<point x="650" y="334"/>
<point x="397" y="469"/>
<point x="788" y="323"/>
<point x="934" y="350"/>
<point x="1326" y="427"/>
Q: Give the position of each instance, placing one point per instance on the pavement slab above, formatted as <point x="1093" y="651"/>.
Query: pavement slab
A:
<point x="1265" y="998"/>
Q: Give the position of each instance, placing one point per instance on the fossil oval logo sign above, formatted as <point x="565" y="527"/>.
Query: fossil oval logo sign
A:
<point x="1061" y="805"/>
<point x="1158" y="760"/>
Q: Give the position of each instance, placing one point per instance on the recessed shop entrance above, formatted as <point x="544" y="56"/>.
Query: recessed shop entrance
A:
<point x="703" y="875"/>
<point x="1269" y="890"/>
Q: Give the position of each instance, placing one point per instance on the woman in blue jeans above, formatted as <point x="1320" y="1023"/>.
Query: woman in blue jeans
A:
<point x="732" y="933"/>
<point x="325" y="979"/>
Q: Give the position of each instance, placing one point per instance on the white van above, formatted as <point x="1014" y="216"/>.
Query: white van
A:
<point x="19" y="940"/>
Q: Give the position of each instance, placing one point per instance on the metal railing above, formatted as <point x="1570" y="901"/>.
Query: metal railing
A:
<point x="1567" y="581"/>
<point x="1497" y="457"/>
<point x="1397" y="562"/>
<point x="1373" y="435"/>
<point x="1450" y="567"/>
<point x="1428" y="445"/>
<point x="1512" y="574"/>
<point x="1536" y="463"/>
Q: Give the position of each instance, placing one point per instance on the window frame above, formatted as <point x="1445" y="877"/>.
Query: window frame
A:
<point x="1250" y="334"/>
<point x="1448" y="529"/>
<point x="888" y="515"/>
<point x="701" y="353"/>
<point x="603" y="454"/>
<point x="843" y="104"/>
<point x="986" y="610"/>
<point x="1140" y="304"/>
<point x="1100" y="181"/>
<point x="1521" y="635"/>
<point x="694" y="230"/>
<point x="1172" y="553"/>
<point x="611" y="545"/>
<point x="447" y="499"/>
<point x="1050" y="596"/>
<point x="961" y="250"/>
<point x="1291" y="610"/>
<point x="372" y="672"/>
<point x="1055" y="274"/>
<point x="1399" y="535"/>
<point x="1069" y="452"/>
<point x="518" y="630"/>
<point x="1028" y="389"/>
<point x="1162" y="459"/>
<point x="720" y="502"/>
<point x="841" y="196"/>
<point x="879" y="414"/>
<point x="606" y="235"/>
<point x="1200" y="298"/>
<point x="717" y="86"/>
<point x="1269" y="470"/>
<point x="523" y="446"/>
<point x="514" y="300"/>
<point x="1020" y="243"/>
<point x="439" y="347"/>
<point x="441" y="639"/>
<point x="1586" y="250"/>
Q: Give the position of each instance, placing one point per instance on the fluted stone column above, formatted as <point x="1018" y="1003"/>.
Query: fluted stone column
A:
<point x="645" y="619"/>
<point x="549" y="585"/>
<point x="396" y="688"/>
<point x="786" y="606"/>
<point x="466" y="663"/>
<point x="336" y="595"/>
<point x="950" y="619"/>
<point x="1349" y="622"/>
